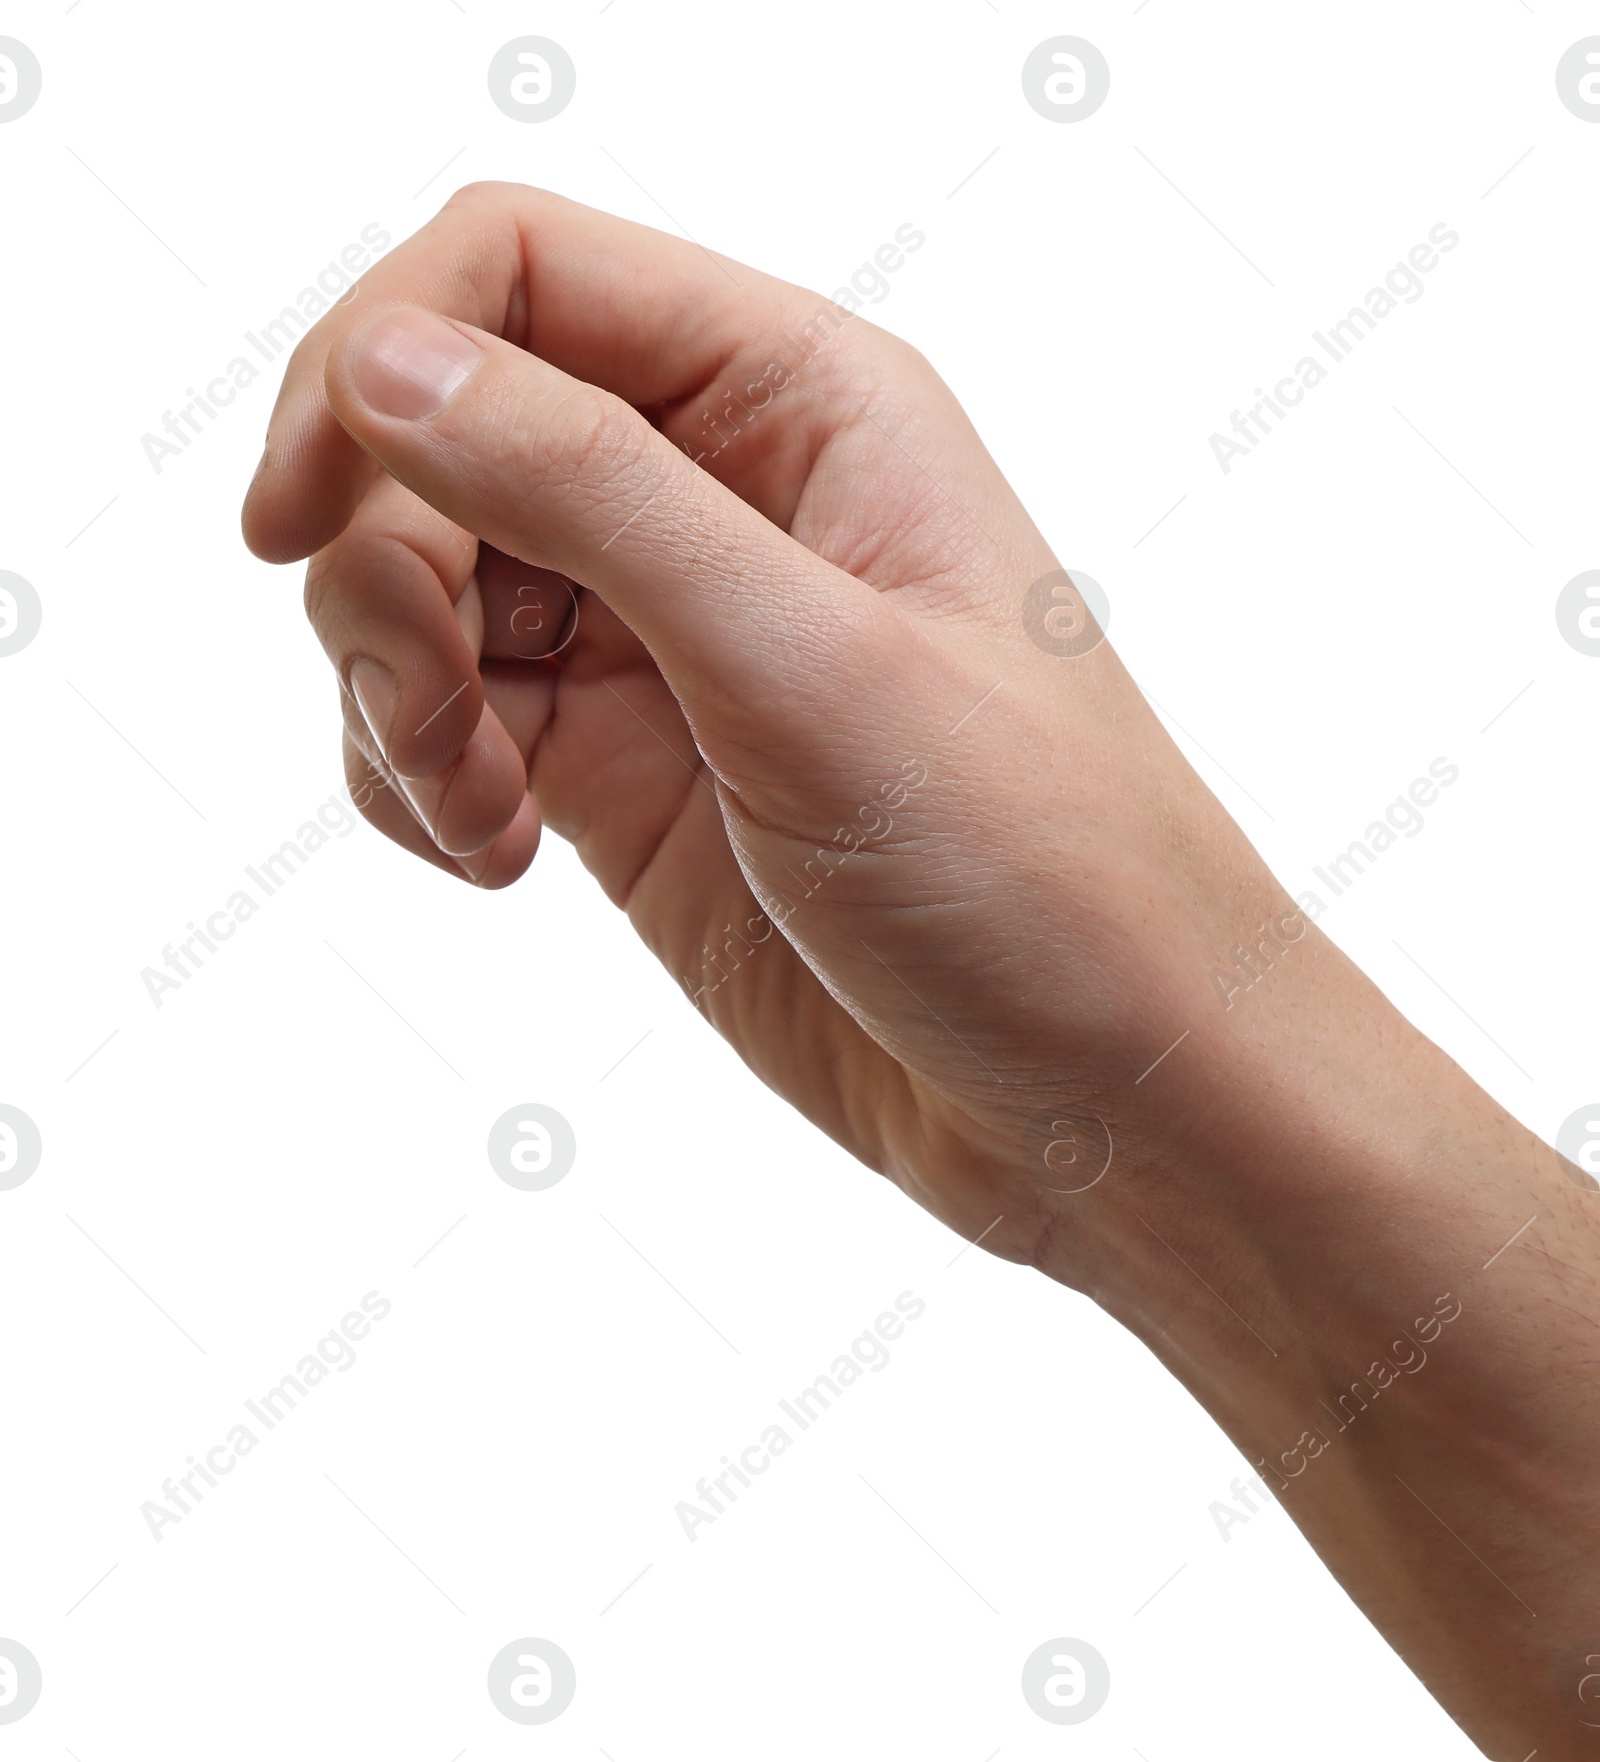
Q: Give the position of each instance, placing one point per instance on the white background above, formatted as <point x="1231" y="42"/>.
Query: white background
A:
<point x="1338" y="611"/>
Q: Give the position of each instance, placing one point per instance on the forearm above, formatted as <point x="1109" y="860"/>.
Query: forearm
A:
<point x="1388" y="1294"/>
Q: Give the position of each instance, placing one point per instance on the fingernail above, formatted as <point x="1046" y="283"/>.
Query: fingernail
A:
<point x="430" y="802"/>
<point x="426" y="796"/>
<point x="412" y="364"/>
<point x="377" y="694"/>
<point x="476" y="865"/>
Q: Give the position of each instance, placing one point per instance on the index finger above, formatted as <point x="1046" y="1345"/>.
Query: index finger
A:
<point x="654" y="319"/>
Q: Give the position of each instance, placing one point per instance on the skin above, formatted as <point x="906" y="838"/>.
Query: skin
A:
<point x="957" y="898"/>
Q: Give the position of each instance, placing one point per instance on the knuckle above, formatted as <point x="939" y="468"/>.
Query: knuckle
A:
<point x="911" y="361"/>
<point x="489" y="192"/>
<point x="884" y="357"/>
<point x="594" y="449"/>
<point x="854" y="353"/>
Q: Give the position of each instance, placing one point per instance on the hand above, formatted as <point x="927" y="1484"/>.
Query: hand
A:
<point x="948" y="893"/>
<point x="612" y="534"/>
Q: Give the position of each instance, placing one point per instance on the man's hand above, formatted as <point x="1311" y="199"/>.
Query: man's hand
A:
<point x="935" y="883"/>
<point x="615" y="535"/>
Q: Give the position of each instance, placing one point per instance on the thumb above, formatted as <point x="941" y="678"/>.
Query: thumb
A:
<point x="568" y="477"/>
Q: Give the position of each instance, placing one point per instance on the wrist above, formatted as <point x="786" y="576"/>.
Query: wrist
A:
<point x="1285" y="1181"/>
<point x="1291" y="1205"/>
